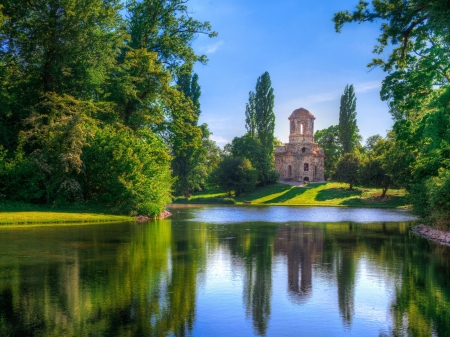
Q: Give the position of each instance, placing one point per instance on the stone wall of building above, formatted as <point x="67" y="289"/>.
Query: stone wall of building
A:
<point x="300" y="159"/>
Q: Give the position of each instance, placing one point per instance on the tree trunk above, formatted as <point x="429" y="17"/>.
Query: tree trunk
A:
<point x="384" y="192"/>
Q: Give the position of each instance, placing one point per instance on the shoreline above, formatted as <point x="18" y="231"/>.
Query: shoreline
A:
<point x="432" y="234"/>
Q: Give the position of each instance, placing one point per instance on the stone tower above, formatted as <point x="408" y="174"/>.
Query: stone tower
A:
<point x="301" y="159"/>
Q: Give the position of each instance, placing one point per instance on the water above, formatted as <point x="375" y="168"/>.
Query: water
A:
<point x="227" y="271"/>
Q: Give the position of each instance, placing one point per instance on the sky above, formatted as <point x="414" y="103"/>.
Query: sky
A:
<point x="308" y="62"/>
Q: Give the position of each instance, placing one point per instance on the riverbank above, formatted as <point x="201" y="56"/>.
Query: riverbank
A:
<point x="17" y="213"/>
<point x="19" y="218"/>
<point x="437" y="235"/>
<point x="313" y="194"/>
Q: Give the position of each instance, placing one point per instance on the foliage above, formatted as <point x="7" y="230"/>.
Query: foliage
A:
<point x="371" y="142"/>
<point x="372" y="169"/>
<point x="235" y="175"/>
<point x="347" y="169"/>
<point x="348" y="130"/>
<point x="128" y="173"/>
<point x="416" y="87"/>
<point x="328" y="140"/>
<point x="264" y="115"/>
<point x="258" y="143"/>
<point x="166" y="28"/>
<point x="188" y="150"/>
<point x="77" y="74"/>
<point x="438" y="197"/>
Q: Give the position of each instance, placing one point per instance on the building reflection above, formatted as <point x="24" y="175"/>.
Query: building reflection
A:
<point x="303" y="247"/>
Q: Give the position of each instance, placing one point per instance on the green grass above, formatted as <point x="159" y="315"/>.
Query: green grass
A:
<point x="22" y="213"/>
<point x="321" y="194"/>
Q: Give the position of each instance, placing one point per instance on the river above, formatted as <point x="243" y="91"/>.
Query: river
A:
<point x="227" y="271"/>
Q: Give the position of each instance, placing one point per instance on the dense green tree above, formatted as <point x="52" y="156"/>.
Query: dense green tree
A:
<point x="371" y="142"/>
<point x="192" y="153"/>
<point x="235" y="175"/>
<point x="264" y="115"/>
<point x="347" y="169"/>
<point x="44" y="49"/>
<point x="372" y="170"/>
<point x="127" y="172"/>
<point x="328" y="140"/>
<point x="250" y="118"/>
<point x="76" y="73"/>
<point x="348" y="130"/>
<point x="258" y="144"/>
<point x="166" y="28"/>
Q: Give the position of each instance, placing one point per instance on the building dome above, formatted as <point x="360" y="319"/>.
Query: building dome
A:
<point x="301" y="113"/>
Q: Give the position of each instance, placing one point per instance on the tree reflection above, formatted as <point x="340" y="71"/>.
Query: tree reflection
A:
<point x="125" y="287"/>
<point x="255" y="249"/>
<point x="132" y="280"/>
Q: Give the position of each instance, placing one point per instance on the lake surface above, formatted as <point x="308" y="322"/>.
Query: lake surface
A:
<point x="227" y="271"/>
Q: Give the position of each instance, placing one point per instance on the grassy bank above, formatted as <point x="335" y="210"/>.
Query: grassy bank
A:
<point x="22" y="213"/>
<point x="322" y="194"/>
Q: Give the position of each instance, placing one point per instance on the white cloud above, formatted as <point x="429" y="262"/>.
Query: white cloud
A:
<point x="212" y="48"/>
<point x="368" y="86"/>
<point x="219" y="139"/>
<point x="329" y="96"/>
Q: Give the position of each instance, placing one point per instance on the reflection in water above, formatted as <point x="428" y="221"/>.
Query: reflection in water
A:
<point x="346" y="272"/>
<point x="303" y="247"/>
<point x="133" y="280"/>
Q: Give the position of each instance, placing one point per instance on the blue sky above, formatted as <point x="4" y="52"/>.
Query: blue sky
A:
<point x="309" y="63"/>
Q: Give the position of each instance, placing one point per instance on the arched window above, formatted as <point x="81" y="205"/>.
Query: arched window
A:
<point x="303" y="149"/>
<point x="305" y="167"/>
<point x="301" y="128"/>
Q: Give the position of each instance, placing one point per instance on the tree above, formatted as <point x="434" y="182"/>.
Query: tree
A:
<point x="235" y="174"/>
<point x="328" y="139"/>
<point x="260" y="124"/>
<point x="348" y="130"/>
<point x="250" y="118"/>
<point x="371" y="142"/>
<point x="127" y="172"/>
<point x="166" y="28"/>
<point x="264" y="115"/>
<point x="347" y="169"/>
<point x="372" y="174"/>
<point x="75" y="73"/>
<point x="191" y="153"/>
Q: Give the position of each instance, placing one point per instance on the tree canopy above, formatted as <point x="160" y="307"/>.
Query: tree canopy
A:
<point x="96" y="101"/>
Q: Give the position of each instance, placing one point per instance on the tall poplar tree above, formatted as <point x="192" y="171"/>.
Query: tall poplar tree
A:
<point x="348" y="130"/>
<point x="260" y="124"/>
<point x="264" y="116"/>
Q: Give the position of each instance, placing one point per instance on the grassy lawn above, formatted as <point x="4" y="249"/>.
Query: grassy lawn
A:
<point x="322" y="194"/>
<point x="19" y="213"/>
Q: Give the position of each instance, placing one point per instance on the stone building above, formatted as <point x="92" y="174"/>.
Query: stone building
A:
<point x="301" y="159"/>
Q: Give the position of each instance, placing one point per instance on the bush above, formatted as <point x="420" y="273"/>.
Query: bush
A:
<point x="128" y="174"/>
<point x="347" y="169"/>
<point x="438" y="195"/>
<point x="235" y="175"/>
